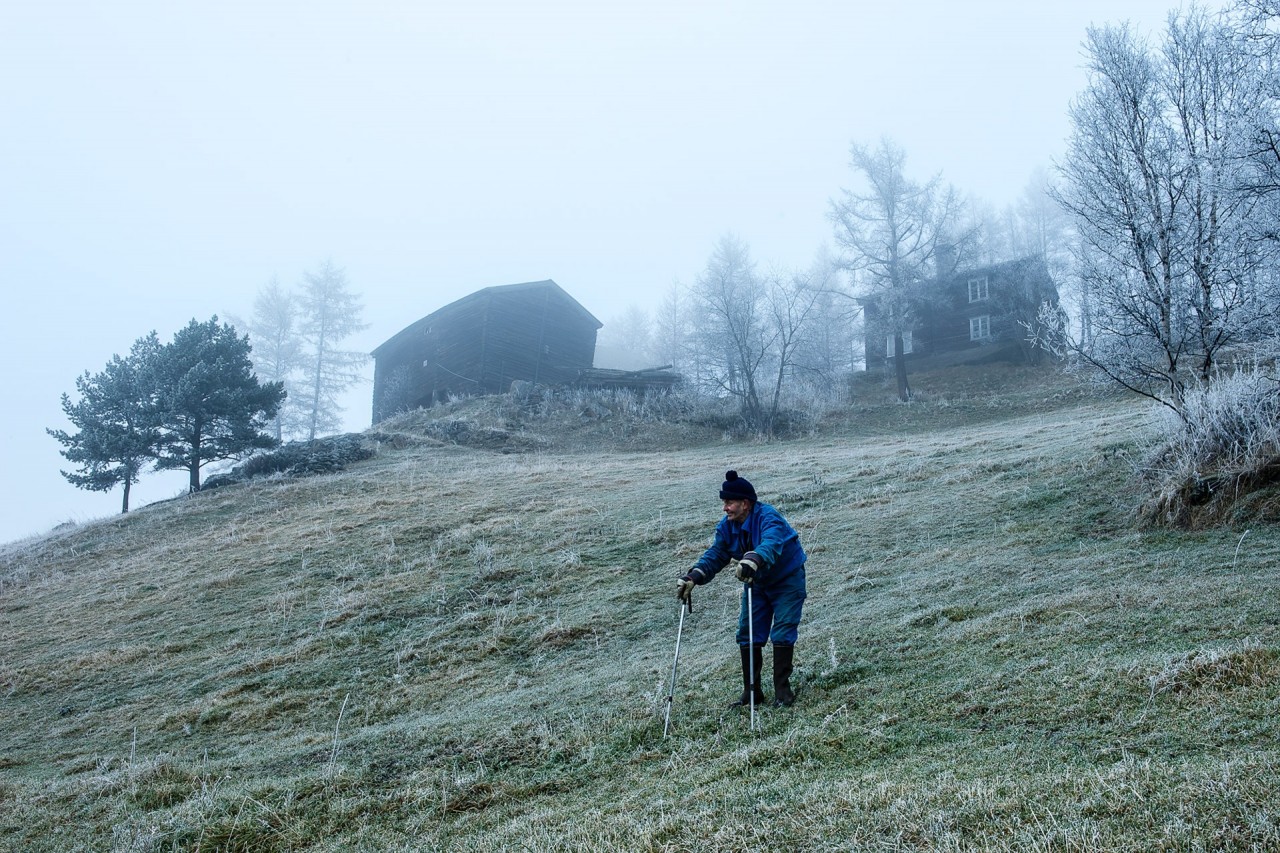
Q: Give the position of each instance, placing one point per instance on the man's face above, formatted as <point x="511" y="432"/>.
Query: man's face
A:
<point x="736" y="509"/>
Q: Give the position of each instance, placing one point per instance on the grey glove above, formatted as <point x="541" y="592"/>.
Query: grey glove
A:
<point x="748" y="567"/>
<point x="684" y="589"/>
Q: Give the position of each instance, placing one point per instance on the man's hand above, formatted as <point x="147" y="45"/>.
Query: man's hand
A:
<point x="748" y="567"/>
<point x="684" y="589"/>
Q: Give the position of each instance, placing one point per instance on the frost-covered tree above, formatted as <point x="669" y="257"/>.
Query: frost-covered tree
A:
<point x="792" y="303"/>
<point x="631" y="335"/>
<point x="330" y="314"/>
<point x="275" y="332"/>
<point x="749" y="329"/>
<point x="830" y="348"/>
<point x="1152" y="180"/>
<point x="1258" y="25"/>
<point x="730" y="326"/>
<point x="671" y="331"/>
<point x="890" y="232"/>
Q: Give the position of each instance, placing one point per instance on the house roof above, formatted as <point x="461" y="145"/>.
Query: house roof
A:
<point x="971" y="272"/>
<point x="497" y="291"/>
<point x="989" y="269"/>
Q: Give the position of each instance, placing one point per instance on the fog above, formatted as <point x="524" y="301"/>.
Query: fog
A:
<point x="161" y="161"/>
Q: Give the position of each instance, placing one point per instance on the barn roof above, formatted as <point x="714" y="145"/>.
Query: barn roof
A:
<point x="495" y="292"/>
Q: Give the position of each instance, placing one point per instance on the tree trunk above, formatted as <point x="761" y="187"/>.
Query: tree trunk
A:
<point x="193" y="466"/>
<point x="315" y="391"/>
<point x="900" y="368"/>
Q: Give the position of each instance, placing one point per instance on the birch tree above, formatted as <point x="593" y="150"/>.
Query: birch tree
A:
<point x="751" y="329"/>
<point x="731" y="327"/>
<point x="1152" y="177"/>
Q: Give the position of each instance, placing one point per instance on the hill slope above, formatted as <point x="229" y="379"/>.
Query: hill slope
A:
<point x="452" y="648"/>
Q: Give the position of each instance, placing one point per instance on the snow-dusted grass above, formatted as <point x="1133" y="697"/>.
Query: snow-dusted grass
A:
<point x="449" y="648"/>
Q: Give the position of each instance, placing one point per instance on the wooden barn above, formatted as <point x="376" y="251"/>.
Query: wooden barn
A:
<point x="482" y="343"/>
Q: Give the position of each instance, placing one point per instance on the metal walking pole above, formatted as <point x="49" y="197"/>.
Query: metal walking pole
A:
<point x="751" y="654"/>
<point x="687" y="604"/>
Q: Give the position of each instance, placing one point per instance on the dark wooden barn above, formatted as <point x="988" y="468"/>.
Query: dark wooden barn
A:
<point x="482" y="343"/>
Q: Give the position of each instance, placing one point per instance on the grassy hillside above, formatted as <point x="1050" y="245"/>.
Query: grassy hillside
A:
<point x="456" y="648"/>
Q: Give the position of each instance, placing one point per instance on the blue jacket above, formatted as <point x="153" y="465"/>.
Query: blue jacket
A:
<point x="764" y="531"/>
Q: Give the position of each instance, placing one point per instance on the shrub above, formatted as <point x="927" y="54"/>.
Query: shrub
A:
<point x="1231" y="425"/>
<point x="1223" y="448"/>
<point x="299" y="459"/>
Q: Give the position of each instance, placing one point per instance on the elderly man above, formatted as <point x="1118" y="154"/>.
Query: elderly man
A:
<point x="771" y="559"/>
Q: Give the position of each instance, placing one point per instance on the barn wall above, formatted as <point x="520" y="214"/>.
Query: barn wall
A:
<point x="480" y="344"/>
<point x="537" y="338"/>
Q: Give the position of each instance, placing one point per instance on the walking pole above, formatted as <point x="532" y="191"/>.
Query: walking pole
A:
<point x="686" y="604"/>
<point x="751" y="654"/>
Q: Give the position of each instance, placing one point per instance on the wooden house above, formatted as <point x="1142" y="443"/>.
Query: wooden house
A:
<point x="480" y="344"/>
<point x="969" y="316"/>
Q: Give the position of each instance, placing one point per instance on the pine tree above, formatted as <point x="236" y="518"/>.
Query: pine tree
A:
<point x="115" y="418"/>
<point x="210" y="404"/>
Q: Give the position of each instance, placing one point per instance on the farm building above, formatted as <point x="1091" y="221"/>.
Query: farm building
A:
<point x="481" y="343"/>
<point x="974" y="315"/>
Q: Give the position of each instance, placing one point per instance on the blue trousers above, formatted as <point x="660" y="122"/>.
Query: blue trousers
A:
<point x="775" y="611"/>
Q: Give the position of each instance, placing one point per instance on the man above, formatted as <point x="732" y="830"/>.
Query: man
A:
<point x="771" y="560"/>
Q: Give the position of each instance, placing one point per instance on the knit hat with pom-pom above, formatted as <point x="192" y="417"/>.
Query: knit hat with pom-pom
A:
<point x="736" y="488"/>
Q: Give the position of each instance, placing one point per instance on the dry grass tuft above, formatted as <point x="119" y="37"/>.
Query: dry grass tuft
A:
<point x="1247" y="664"/>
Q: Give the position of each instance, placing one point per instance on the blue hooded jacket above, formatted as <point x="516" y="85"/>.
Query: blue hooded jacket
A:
<point x="764" y="531"/>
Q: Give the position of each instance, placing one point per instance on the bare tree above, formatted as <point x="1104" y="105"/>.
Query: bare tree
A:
<point x="274" y="330"/>
<point x="671" y="334"/>
<point x="1151" y="175"/>
<point x="731" y="329"/>
<point x="829" y="350"/>
<point x="330" y="314"/>
<point x="1258" y="25"/>
<point x="890" y="233"/>
<point x="750" y="329"/>
<point x="1260" y="138"/>
<point x="1040" y="226"/>
<point x="792" y="300"/>
<point x="630" y="334"/>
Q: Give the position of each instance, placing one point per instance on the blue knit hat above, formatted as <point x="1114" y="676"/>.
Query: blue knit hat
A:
<point x="736" y="488"/>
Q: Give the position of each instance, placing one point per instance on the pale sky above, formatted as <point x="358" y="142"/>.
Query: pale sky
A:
<point x="161" y="161"/>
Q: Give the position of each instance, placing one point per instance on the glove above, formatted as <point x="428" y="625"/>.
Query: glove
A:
<point x="684" y="589"/>
<point x="748" y="567"/>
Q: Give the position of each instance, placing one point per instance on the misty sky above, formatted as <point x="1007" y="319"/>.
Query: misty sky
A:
<point x="161" y="161"/>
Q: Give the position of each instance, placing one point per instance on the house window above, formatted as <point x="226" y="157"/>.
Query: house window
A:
<point x="978" y="289"/>
<point x="979" y="328"/>
<point x="906" y="344"/>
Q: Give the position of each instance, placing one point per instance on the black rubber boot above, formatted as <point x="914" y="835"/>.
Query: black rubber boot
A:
<point x="757" y="660"/>
<point x="782" y="662"/>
